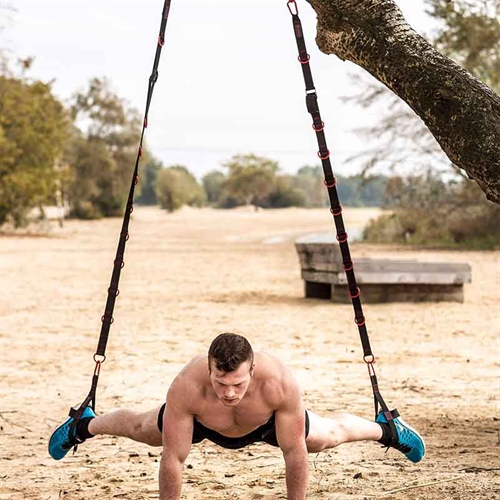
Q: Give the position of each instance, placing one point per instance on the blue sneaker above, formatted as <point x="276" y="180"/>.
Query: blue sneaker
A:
<point x="409" y="441"/>
<point x="61" y="441"/>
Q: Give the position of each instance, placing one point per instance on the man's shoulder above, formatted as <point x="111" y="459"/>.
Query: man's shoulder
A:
<point x="270" y="361"/>
<point x="277" y="380"/>
<point x="273" y="367"/>
<point x="190" y="383"/>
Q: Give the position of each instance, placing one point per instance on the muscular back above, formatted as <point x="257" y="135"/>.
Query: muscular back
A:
<point x="268" y="389"/>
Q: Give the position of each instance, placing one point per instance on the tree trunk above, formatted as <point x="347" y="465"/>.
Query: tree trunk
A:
<point x="461" y="112"/>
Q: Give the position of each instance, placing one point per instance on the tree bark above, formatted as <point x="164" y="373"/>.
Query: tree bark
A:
<point x="460" y="111"/>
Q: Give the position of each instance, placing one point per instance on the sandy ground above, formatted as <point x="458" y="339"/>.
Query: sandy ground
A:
<point x="196" y="273"/>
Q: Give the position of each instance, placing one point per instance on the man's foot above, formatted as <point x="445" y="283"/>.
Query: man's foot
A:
<point x="61" y="441"/>
<point x="409" y="441"/>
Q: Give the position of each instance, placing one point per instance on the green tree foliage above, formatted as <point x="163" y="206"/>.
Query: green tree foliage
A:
<point x="213" y="183"/>
<point x="284" y="194"/>
<point x="146" y="192"/>
<point x="94" y="173"/>
<point x="176" y="186"/>
<point x="104" y="155"/>
<point x="309" y="180"/>
<point x="250" y="178"/>
<point x="470" y="34"/>
<point x="354" y="191"/>
<point x="426" y="210"/>
<point x="33" y="127"/>
<point x="304" y="189"/>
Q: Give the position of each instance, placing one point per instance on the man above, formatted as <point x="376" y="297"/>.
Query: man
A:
<point x="235" y="399"/>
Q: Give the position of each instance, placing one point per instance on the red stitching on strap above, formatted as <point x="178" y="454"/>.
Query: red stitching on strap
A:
<point x="306" y="61"/>
<point x="371" y="373"/>
<point x="327" y="155"/>
<point x="349" y="267"/>
<point x="342" y="240"/>
<point x="319" y="129"/>
<point x="361" y="322"/>
<point x="334" y="213"/>
<point x="333" y="184"/>
<point x="388" y="415"/>
<point x="161" y="41"/>
<point x="356" y="295"/>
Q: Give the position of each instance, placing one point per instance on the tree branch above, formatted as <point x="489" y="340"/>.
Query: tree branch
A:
<point x="461" y="112"/>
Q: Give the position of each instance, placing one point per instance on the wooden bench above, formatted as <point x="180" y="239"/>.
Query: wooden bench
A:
<point x="380" y="280"/>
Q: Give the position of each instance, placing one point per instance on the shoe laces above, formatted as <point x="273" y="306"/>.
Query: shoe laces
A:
<point x="405" y="438"/>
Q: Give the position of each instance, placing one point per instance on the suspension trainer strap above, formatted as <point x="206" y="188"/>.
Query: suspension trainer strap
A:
<point x="336" y="208"/>
<point x="113" y="291"/>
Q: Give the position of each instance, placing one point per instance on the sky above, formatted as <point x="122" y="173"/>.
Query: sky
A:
<point x="229" y="80"/>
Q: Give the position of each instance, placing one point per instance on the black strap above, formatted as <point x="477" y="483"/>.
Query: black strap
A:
<point x="107" y="318"/>
<point x="336" y="209"/>
<point x="113" y="291"/>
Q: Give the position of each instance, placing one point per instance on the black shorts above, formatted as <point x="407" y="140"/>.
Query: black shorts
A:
<point x="265" y="433"/>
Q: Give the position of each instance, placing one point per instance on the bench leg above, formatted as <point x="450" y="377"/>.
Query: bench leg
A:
<point x="317" y="290"/>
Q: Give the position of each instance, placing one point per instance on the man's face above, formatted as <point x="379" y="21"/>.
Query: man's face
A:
<point x="230" y="387"/>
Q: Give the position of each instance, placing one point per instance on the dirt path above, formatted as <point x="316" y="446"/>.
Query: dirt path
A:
<point x="196" y="273"/>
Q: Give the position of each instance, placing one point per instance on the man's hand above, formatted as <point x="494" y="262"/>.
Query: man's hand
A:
<point x="177" y="437"/>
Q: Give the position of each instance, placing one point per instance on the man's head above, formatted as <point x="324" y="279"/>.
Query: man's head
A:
<point x="230" y="363"/>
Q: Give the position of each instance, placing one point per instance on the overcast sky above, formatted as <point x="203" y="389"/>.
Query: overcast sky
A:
<point x="229" y="80"/>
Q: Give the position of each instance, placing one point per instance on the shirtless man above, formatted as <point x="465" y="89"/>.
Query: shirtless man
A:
<point x="235" y="399"/>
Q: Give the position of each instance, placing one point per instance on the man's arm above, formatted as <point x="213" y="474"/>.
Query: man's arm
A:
<point x="177" y="437"/>
<point x="290" y="431"/>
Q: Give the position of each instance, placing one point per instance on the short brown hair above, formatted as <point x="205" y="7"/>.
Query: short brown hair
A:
<point x="228" y="351"/>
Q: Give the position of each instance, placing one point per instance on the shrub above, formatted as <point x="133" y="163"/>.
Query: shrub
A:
<point x="176" y="186"/>
<point x="456" y="214"/>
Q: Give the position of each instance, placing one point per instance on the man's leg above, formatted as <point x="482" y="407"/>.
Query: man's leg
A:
<point x="141" y="427"/>
<point x="325" y="433"/>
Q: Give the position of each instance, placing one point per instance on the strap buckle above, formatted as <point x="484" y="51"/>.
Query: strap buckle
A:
<point x="312" y="102"/>
<point x="293" y="10"/>
<point x="370" y="360"/>
<point x="99" y="358"/>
